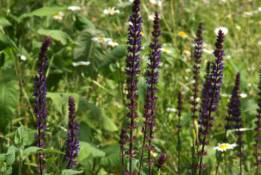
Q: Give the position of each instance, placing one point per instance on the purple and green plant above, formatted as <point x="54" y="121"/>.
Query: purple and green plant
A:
<point x="237" y="119"/>
<point x="132" y="72"/>
<point x="196" y="70"/>
<point x="72" y="143"/>
<point x="211" y="99"/>
<point x="257" y="137"/>
<point x="161" y="160"/>
<point x="151" y="99"/>
<point x="40" y="102"/>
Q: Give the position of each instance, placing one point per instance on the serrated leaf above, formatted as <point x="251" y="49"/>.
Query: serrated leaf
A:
<point x="83" y="23"/>
<point x="9" y="98"/>
<point x="10" y="155"/>
<point x="44" y="11"/>
<point x="87" y="149"/>
<point x="55" y="34"/>
<point x="4" y="22"/>
<point x="116" y="54"/>
<point x="71" y="172"/>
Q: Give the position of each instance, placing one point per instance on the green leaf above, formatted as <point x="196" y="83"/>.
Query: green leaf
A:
<point x="44" y="11"/>
<point x="4" y="22"/>
<point x="55" y="34"/>
<point x="186" y="119"/>
<point x="87" y="149"/>
<point x="83" y="23"/>
<point x="6" y="42"/>
<point x="9" y="98"/>
<point x="21" y="136"/>
<point x="10" y="155"/>
<point x="108" y="123"/>
<point x="142" y="90"/>
<point x="113" y="160"/>
<point x="33" y="149"/>
<point x="31" y="164"/>
<point x="70" y="172"/>
<point x="116" y="54"/>
<point x="2" y="156"/>
<point x="61" y="99"/>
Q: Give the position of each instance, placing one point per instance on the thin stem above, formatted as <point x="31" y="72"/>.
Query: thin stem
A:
<point x="217" y="167"/>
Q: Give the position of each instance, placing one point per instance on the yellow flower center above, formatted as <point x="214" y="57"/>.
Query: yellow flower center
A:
<point x="181" y="33"/>
<point x="112" y="11"/>
<point x="58" y="15"/>
<point x="165" y="50"/>
<point x="223" y="146"/>
<point x="101" y="39"/>
<point x="186" y="51"/>
<point x="141" y="33"/>
<point x="259" y="22"/>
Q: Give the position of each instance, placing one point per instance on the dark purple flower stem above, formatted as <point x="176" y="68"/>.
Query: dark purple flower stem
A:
<point x="123" y="140"/>
<point x="40" y="102"/>
<point x="132" y="71"/>
<point x="153" y="74"/>
<point x="257" y="137"/>
<point x="215" y="82"/>
<point x="72" y="143"/>
<point x="179" y="127"/>
<point x="196" y="71"/>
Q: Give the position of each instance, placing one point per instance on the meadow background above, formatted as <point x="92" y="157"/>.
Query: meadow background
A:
<point x="98" y="86"/>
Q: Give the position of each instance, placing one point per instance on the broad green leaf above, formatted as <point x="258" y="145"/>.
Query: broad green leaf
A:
<point x="33" y="149"/>
<point x="83" y="23"/>
<point x="55" y="34"/>
<point x="108" y="123"/>
<point x="116" y="54"/>
<point x="113" y="160"/>
<point x="142" y="90"/>
<point x="6" y="42"/>
<point x="21" y="136"/>
<point x="2" y="156"/>
<point x="87" y="149"/>
<point x="71" y="172"/>
<point x="61" y="99"/>
<point x="9" y="98"/>
<point x="44" y="11"/>
<point x="4" y="22"/>
<point x="10" y="155"/>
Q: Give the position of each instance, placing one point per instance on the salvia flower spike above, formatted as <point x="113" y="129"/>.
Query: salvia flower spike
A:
<point x="236" y="118"/>
<point x="132" y="71"/>
<point x="72" y="143"/>
<point x="151" y="99"/>
<point x="161" y="160"/>
<point x="257" y="144"/>
<point x="40" y="102"/>
<point x="196" y="71"/>
<point x="209" y="106"/>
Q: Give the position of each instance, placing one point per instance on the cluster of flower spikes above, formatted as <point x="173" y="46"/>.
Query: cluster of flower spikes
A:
<point x="257" y="137"/>
<point x="231" y="106"/>
<point x="152" y="80"/>
<point x="196" y="68"/>
<point x="236" y="115"/>
<point x="211" y="98"/>
<point x="40" y="102"/>
<point x="132" y="71"/>
<point x="72" y="143"/>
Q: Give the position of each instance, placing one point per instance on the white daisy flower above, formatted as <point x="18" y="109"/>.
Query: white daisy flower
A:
<point x="223" y="29"/>
<point x="182" y="34"/>
<point x="188" y="70"/>
<point x="74" y="8"/>
<point x="110" y="11"/>
<point x="224" y="146"/>
<point x="59" y="16"/>
<point x="101" y="39"/>
<point x="165" y="50"/>
<point x="156" y="2"/>
<point x="81" y="63"/>
<point x="154" y="154"/>
<point x="112" y="43"/>
<point x="208" y="51"/>
<point x="186" y="53"/>
<point x="22" y="57"/>
<point x="242" y="95"/>
<point x="171" y="110"/>
<point x="259" y="9"/>
<point x="247" y="14"/>
<point x="124" y="4"/>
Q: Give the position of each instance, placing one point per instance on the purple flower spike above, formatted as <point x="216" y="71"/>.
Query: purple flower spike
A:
<point x="257" y="137"/>
<point x="151" y="99"/>
<point x="40" y="102"/>
<point x="211" y="98"/>
<point x="162" y="159"/>
<point x="72" y="143"/>
<point x="132" y="71"/>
